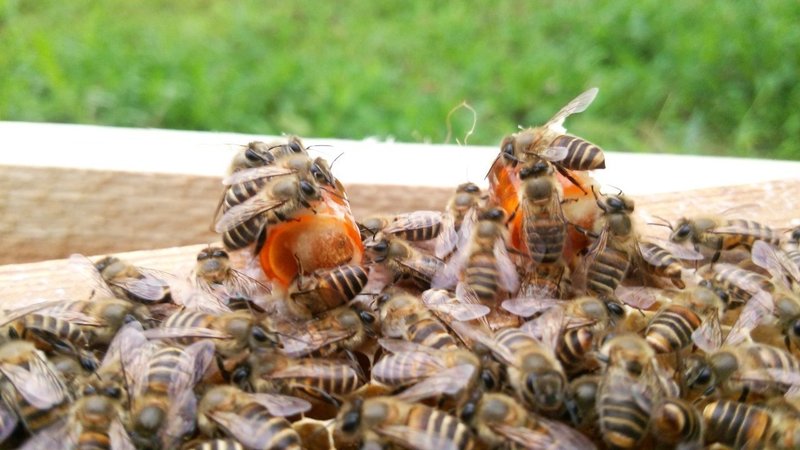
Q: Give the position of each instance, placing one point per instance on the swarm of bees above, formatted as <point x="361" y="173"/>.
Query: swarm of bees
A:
<point x="538" y="314"/>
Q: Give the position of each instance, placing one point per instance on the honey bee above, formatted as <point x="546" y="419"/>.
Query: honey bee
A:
<point x="162" y="379"/>
<point x="402" y="261"/>
<point x="255" y="420"/>
<point x="466" y="198"/>
<point x="346" y="328"/>
<point x="744" y="369"/>
<point x="113" y="277"/>
<point x="533" y="371"/>
<point x="573" y="152"/>
<point x="792" y="243"/>
<point x="58" y="335"/>
<point x="94" y="421"/>
<point x="610" y="256"/>
<point x="279" y="200"/>
<point x="581" y="402"/>
<point x="502" y="422"/>
<point x="32" y="392"/>
<point x="428" y="371"/>
<point x="748" y="426"/>
<point x="718" y="234"/>
<point x="678" y="423"/>
<point x="325" y="289"/>
<point x="407" y="317"/>
<point x="665" y="262"/>
<point x="216" y="444"/>
<point x="313" y="378"/>
<point x="386" y="420"/>
<point x="627" y="391"/>
<point x="740" y="285"/>
<point x="481" y="269"/>
<point x="412" y="227"/>
<point x="691" y="318"/>
<point x="233" y="333"/>
<point x="257" y="153"/>
<point x="544" y="227"/>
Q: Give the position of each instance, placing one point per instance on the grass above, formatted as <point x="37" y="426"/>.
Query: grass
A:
<point x="713" y="77"/>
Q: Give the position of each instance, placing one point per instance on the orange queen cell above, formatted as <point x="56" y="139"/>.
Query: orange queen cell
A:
<point x="579" y="207"/>
<point x="323" y="238"/>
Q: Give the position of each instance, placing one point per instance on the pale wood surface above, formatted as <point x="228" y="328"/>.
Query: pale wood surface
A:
<point x="779" y="207"/>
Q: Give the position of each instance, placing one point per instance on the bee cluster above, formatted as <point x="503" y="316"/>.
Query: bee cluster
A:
<point x="535" y="315"/>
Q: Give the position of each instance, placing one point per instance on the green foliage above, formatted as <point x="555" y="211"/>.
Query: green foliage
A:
<point x="712" y="77"/>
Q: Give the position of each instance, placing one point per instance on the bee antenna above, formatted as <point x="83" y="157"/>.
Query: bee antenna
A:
<point x="333" y="193"/>
<point x="334" y="160"/>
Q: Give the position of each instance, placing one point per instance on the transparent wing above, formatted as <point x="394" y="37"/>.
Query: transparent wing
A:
<point x="554" y="154"/>
<point x="474" y="334"/>
<point x="754" y="312"/>
<point x="708" y="336"/>
<point x="180" y="419"/>
<point x="447" y="239"/>
<point x="546" y="434"/>
<point x="256" y="173"/>
<point x="404" y="368"/>
<point x="451" y="381"/>
<point x="509" y="279"/>
<point x="185" y="332"/>
<point x="8" y="420"/>
<point x="529" y="306"/>
<point x="85" y="268"/>
<point x="245" y="211"/>
<point x="776" y="262"/>
<point x="302" y="344"/>
<point x="250" y="432"/>
<point x="417" y="439"/>
<point x="413" y="221"/>
<point x="119" y="437"/>
<point x="149" y="287"/>
<point x="281" y="405"/>
<point x="678" y="251"/>
<point x="577" y="105"/>
<point x="58" y="436"/>
<point x="39" y="385"/>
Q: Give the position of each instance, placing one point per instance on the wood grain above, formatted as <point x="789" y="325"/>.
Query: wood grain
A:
<point x="779" y="206"/>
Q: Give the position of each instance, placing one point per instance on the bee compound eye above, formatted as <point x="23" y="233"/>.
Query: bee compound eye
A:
<point x="472" y="189"/>
<point x="796" y="328"/>
<point x="615" y="309"/>
<point x="252" y="155"/>
<point x="89" y="390"/>
<point x="703" y="376"/>
<point x="259" y="334"/>
<point x="488" y="380"/>
<point x="113" y="392"/>
<point x="219" y="253"/>
<point x="684" y="230"/>
<point x="366" y="317"/>
<point x="295" y="147"/>
<point x="240" y="374"/>
<point x="508" y="148"/>
<point x="468" y="412"/>
<point x="307" y="188"/>
<point x="350" y="421"/>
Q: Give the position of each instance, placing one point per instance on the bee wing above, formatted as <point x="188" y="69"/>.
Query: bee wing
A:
<point x="239" y="284"/>
<point x="413" y="221"/>
<point x="708" y="336"/>
<point x="528" y="306"/>
<point x="205" y="297"/>
<point x="85" y="268"/>
<point x="248" y="431"/>
<point x="119" y="438"/>
<point x="754" y="312"/>
<point x="638" y="297"/>
<point x="255" y="173"/>
<point x="318" y="368"/>
<point x="596" y="248"/>
<point x="546" y="434"/>
<point x="422" y="267"/>
<point x="18" y="313"/>
<point x="281" y="405"/>
<point x="746" y="283"/>
<point x="447" y="239"/>
<point x="459" y="311"/>
<point x="785" y="377"/>
<point x="406" y="367"/>
<point x="150" y="289"/>
<point x="401" y="346"/>
<point x="416" y="438"/>
<point x="197" y="359"/>
<point x="180" y="419"/>
<point x="58" y="436"/>
<point x="775" y="261"/>
<point x="185" y="332"/>
<point x="577" y="105"/>
<point x="245" y="211"/>
<point x="509" y="278"/>
<point x="474" y="334"/>
<point x="678" y="251"/>
<point x="451" y="381"/>
<point x="301" y="344"/>
<point x="128" y="341"/>
<point x="8" y="421"/>
<point x="735" y="228"/>
<point x="38" y="385"/>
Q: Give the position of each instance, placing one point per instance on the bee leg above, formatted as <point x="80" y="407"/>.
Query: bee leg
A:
<point x="745" y="393"/>
<point x="221" y="366"/>
<point x="315" y="391"/>
<point x="716" y="256"/>
<point x="584" y="231"/>
<point x="513" y="215"/>
<point x="569" y="176"/>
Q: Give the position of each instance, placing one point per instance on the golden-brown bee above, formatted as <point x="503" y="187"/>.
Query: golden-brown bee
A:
<point x="93" y="421"/>
<point x="609" y="258"/>
<point x="581" y="402"/>
<point x="313" y="378"/>
<point x="113" y="277"/>
<point x="739" y="285"/>
<point x="718" y="234"/>
<point x="677" y="422"/>
<point x="502" y="422"/>
<point x="691" y="318"/>
<point x="325" y="289"/>
<point x="744" y="369"/>
<point x="386" y="420"/>
<point x="543" y="224"/>
<point x="571" y="326"/>
<point x="402" y="261"/>
<point x="54" y="334"/>
<point x="467" y="198"/>
<point x="32" y="392"/>
<point x="346" y="328"/>
<point x="255" y="420"/>
<point x="233" y="333"/>
<point x="257" y="153"/>
<point x="665" y="262"/>
<point x="217" y="286"/>
<point x="632" y="382"/>
<point x="481" y="269"/>
<point x="742" y="425"/>
<point x="277" y="201"/>
<point x="573" y="152"/>
<point x="162" y="379"/>
<point x="405" y="316"/>
<point x="533" y="371"/>
<point x="412" y="227"/>
<point x="426" y="371"/>
<point x="215" y="444"/>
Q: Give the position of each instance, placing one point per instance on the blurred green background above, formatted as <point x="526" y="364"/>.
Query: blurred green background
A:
<point x="711" y="77"/>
